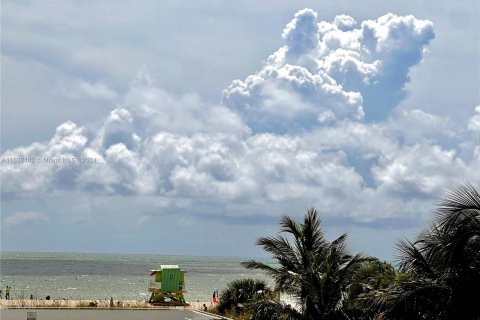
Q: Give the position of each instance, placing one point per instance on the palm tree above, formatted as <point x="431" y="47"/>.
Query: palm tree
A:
<point x="268" y="309"/>
<point x="240" y="293"/>
<point x="442" y="267"/>
<point x="315" y="271"/>
<point x="372" y="277"/>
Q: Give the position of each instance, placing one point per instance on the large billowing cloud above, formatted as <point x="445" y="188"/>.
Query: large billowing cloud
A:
<point x="290" y="136"/>
<point x="327" y="71"/>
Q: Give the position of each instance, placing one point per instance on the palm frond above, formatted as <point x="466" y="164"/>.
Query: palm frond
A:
<point x="281" y="249"/>
<point x="413" y="261"/>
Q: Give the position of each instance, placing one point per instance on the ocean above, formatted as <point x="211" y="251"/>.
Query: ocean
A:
<point x="93" y="276"/>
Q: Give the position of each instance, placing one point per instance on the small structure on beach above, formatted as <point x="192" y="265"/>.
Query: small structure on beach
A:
<point x="168" y="286"/>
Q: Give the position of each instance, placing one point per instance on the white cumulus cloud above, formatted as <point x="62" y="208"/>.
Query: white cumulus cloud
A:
<point x="474" y="123"/>
<point x="334" y="67"/>
<point x="289" y="136"/>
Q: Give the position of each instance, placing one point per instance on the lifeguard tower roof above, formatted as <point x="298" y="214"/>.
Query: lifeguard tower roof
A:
<point x="168" y="266"/>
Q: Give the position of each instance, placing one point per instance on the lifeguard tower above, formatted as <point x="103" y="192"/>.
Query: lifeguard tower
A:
<point x="168" y="286"/>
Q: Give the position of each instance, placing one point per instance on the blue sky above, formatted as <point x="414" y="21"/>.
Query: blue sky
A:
<point x="207" y="121"/>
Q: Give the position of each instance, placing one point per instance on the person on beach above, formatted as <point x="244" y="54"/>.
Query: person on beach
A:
<point x="1" y="294"/>
<point x="7" y="293"/>
<point x="214" y="299"/>
<point x="204" y="307"/>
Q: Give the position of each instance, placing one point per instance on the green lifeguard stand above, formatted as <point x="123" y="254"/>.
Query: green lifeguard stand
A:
<point x="168" y="285"/>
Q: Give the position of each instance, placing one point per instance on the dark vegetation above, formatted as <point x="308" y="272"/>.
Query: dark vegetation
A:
<point x="438" y="274"/>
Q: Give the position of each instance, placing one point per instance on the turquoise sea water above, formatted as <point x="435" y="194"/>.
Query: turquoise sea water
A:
<point x="121" y="276"/>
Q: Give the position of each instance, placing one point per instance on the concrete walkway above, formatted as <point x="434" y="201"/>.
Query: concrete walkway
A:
<point x="82" y="314"/>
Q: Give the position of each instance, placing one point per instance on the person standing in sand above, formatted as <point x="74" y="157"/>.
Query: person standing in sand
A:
<point x="7" y="293"/>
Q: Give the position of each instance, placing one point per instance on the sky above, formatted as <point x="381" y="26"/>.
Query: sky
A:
<point x="173" y="127"/>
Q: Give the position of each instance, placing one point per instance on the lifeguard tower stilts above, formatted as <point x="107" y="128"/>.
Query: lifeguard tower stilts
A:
<point x="168" y="286"/>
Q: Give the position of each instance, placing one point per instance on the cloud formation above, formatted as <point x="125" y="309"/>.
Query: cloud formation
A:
<point x="474" y="123"/>
<point x="289" y="136"/>
<point x="327" y="71"/>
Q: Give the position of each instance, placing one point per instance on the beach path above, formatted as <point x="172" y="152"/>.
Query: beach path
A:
<point x="105" y="314"/>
